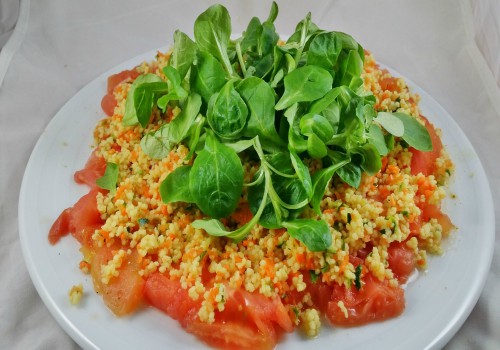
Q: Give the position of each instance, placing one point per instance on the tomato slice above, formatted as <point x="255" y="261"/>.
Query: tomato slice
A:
<point x="249" y="320"/>
<point x="124" y="293"/>
<point x="60" y="227"/>
<point x="94" y="169"/>
<point x="108" y="102"/>
<point x="402" y="260"/>
<point x="81" y="220"/>
<point x="375" y="301"/>
<point x="424" y="162"/>
<point x="430" y="211"/>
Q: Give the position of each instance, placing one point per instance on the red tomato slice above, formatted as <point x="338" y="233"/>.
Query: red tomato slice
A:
<point x="85" y="218"/>
<point x="115" y="79"/>
<point x="375" y="301"/>
<point x="430" y="211"/>
<point x="94" y="169"/>
<point x="424" y="162"/>
<point x="402" y="260"/>
<point x="81" y="220"/>
<point x="249" y="321"/>
<point x="60" y="227"/>
<point x="108" y="102"/>
<point x="124" y="293"/>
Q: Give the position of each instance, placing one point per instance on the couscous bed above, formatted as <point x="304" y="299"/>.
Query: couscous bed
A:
<point x="243" y="290"/>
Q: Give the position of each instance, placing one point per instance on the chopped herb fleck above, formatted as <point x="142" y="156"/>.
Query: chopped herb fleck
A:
<point x="202" y="255"/>
<point x="314" y="276"/>
<point x="357" y="281"/>
<point x="143" y="221"/>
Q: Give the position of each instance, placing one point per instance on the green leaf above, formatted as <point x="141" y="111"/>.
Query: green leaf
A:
<point x="212" y="31"/>
<point x="305" y="84"/>
<point x="175" y="187"/>
<point x="287" y="191"/>
<point x="251" y="34"/>
<point x="110" y="178"/>
<point x="216" y="179"/>
<point x="314" y="234"/>
<point x="158" y="144"/>
<point x="302" y="172"/>
<point x="350" y="68"/>
<point x="183" y="53"/>
<point x="371" y="163"/>
<point x="350" y="174"/>
<point x="391" y="123"/>
<point x="295" y="140"/>
<point x="324" y="50"/>
<point x="316" y="147"/>
<point x="175" y="91"/>
<point x="377" y="139"/>
<point x="144" y="99"/>
<point x="130" y="115"/>
<point x="415" y="134"/>
<point x="227" y="112"/>
<point x="320" y="181"/>
<point x="207" y="76"/>
<point x="259" y="98"/>
<point x="318" y="125"/>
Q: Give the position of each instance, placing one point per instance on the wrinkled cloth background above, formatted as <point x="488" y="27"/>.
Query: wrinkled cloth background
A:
<point x="449" y="48"/>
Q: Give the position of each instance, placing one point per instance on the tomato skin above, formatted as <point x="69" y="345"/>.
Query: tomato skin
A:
<point x="402" y="260"/>
<point x="430" y="211"/>
<point x="81" y="220"/>
<point x="168" y="296"/>
<point x="94" y="169"/>
<point x="375" y="301"/>
<point x="60" y="227"/>
<point x="108" y="102"/>
<point x="249" y="320"/>
<point x="124" y="293"/>
<point x="424" y="162"/>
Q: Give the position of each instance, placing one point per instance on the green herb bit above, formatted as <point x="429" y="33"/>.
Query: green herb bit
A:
<point x="143" y="221"/>
<point x="314" y="276"/>
<point x="357" y="280"/>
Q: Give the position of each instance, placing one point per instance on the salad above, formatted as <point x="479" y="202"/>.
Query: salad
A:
<point x="248" y="187"/>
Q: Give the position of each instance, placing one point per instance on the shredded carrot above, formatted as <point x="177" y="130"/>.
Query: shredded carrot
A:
<point x="242" y="215"/>
<point x="84" y="266"/>
<point x="392" y="169"/>
<point x="301" y="258"/>
<point x="344" y="263"/>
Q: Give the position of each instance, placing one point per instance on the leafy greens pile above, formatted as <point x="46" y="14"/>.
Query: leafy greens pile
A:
<point x="280" y="103"/>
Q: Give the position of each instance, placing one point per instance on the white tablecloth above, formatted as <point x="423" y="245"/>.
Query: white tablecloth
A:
<point x="60" y="46"/>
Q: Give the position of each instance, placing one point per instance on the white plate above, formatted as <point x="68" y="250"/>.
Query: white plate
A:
<point x="437" y="303"/>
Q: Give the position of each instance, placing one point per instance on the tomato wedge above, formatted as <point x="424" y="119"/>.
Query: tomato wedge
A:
<point x="424" y="162"/>
<point x="375" y="301"/>
<point x="124" y="293"/>
<point x="94" y="169"/>
<point x="402" y="261"/>
<point x="249" y="320"/>
<point x="81" y="220"/>
<point x="108" y="102"/>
